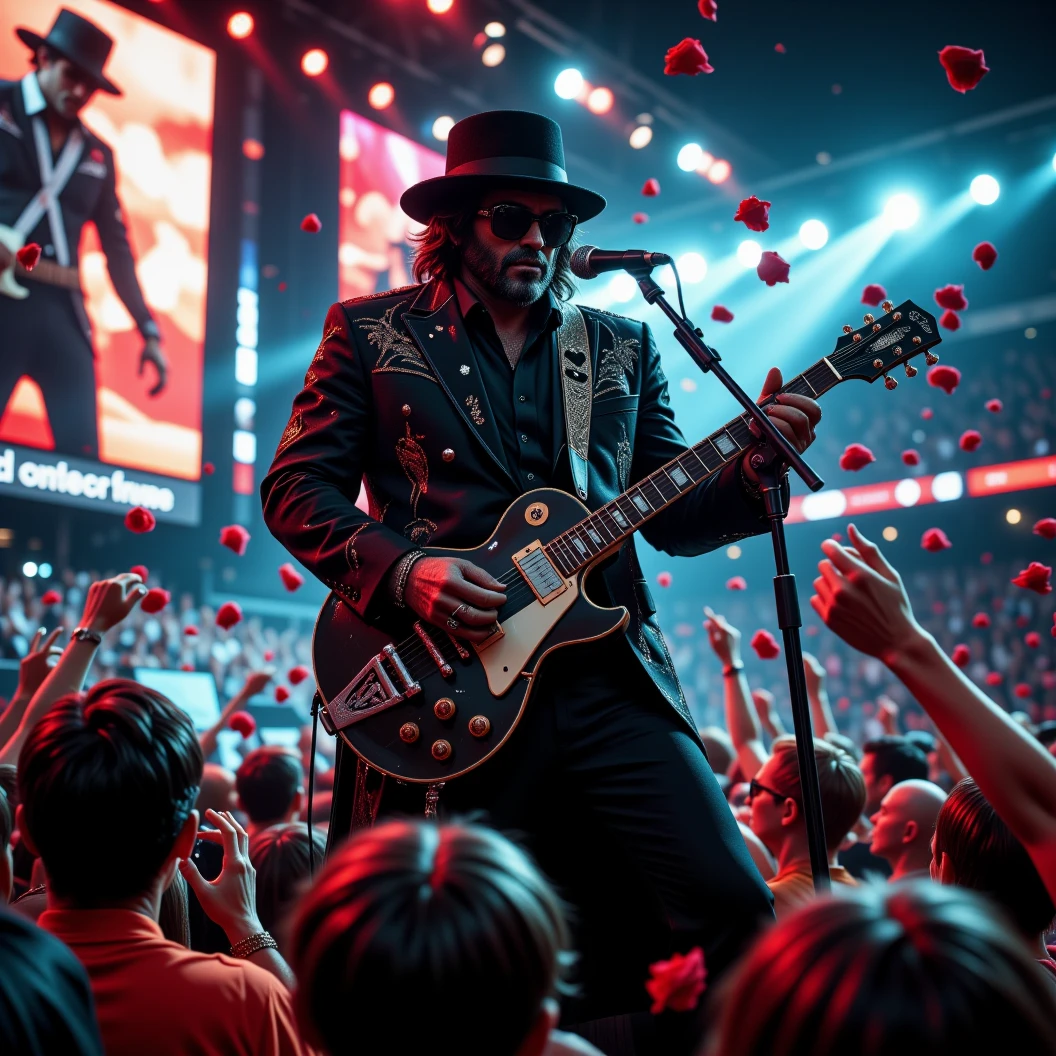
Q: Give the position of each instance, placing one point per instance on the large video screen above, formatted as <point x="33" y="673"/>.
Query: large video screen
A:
<point x="83" y="419"/>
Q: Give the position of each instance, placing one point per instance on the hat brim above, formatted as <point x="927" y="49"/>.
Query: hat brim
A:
<point x="34" y="41"/>
<point x="443" y="194"/>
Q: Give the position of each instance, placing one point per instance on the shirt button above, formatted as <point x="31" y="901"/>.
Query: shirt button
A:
<point x="522" y="398"/>
<point x="531" y="476"/>
<point x="524" y="438"/>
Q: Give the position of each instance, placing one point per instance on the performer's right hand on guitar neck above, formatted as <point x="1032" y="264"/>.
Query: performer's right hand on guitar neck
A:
<point x="455" y="595"/>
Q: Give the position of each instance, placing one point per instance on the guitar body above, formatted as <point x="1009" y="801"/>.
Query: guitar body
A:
<point x="456" y="685"/>
<point x="9" y="287"/>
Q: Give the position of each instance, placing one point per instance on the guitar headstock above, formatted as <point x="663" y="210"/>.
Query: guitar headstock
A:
<point x="885" y="342"/>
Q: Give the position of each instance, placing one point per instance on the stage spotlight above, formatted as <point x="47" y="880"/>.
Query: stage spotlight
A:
<point x="600" y="101"/>
<point x="1054" y="162"/>
<point x="749" y="253"/>
<point x="901" y="211"/>
<point x="493" y="54"/>
<point x="622" y="287"/>
<point x="985" y="189"/>
<point x="689" y="156"/>
<point x="813" y="234"/>
<point x="240" y="25"/>
<point x="440" y="7"/>
<point x="441" y="127"/>
<point x="692" y="267"/>
<point x="720" y="171"/>
<point x="314" y="62"/>
<point x="495" y="30"/>
<point x="381" y="95"/>
<point x="1013" y="516"/>
<point x="642" y="136"/>
<point x="568" y="83"/>
<point x="29" y="569"/>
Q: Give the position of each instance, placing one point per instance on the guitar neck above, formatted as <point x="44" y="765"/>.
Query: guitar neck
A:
<point x="609" y="525"/>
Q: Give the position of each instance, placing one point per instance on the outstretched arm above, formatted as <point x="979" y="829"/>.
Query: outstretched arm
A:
<point x="820" y="710"/>
<point x="254" y="684"/>
<point x="862" y="599"/>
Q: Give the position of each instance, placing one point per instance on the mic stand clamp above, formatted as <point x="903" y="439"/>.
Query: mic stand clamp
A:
<point x="766" y="464"/>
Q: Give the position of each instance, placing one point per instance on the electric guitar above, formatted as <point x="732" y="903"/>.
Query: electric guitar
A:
<point x="45" y="271"/>
<point x="421" y="706"/>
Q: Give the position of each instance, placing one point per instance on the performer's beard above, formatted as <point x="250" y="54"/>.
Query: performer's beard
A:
<point x="493" y="273"/>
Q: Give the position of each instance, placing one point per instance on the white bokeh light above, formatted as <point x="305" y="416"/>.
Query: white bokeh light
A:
<point x="442" y="126"/>
<point x="622" y="287"/>
<point x="642" y="136"/>
<point x="901" y="211"/>
<point x="749" y="253"/>
<point x="689" y="157"/>
<point x="813" y="234"/>
<point x="569" y="83"/>
<point x="984" y="189"/>
<point x="692" y="267"/>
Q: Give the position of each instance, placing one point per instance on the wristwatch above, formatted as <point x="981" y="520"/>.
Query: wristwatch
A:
<point x="732" y="669"/>
<point x="85" y="634"/>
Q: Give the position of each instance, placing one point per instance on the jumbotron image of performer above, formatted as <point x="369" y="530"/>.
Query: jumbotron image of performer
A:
<point x="56" y="176"/>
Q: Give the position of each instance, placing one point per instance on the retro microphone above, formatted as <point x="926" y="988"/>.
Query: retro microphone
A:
<point x="588" y="262"/>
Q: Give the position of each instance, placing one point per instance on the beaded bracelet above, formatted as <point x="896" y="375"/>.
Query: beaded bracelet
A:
<point x="403" y="572"/>
<point x="252" y="944"/>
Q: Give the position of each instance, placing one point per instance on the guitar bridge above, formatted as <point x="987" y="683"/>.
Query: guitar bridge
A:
<point x="383" y="682"/>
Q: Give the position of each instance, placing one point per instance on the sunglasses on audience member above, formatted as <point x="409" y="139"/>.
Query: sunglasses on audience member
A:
<point x="512" y="222"/>
<point x="754" y="788"/>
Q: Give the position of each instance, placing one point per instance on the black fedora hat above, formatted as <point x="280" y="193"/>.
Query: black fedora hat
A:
<point x="80" y="41"/>
<point x="509" y="148"/>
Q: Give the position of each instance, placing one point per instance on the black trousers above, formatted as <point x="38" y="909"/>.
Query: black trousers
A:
<point x="602" y="782"/>
<point x="43" y="337"/>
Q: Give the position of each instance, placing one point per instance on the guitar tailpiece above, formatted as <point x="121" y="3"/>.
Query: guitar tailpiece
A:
<point x="432" y="797"/>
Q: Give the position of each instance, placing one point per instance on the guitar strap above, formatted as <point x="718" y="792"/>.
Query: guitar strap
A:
<point x="573" y="353"/>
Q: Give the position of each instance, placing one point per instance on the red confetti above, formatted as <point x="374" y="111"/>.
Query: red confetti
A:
<point x="1021" y="690"/>
<point x="927" y="414"/>
<point x="141" y="571"/>
<point x="765" y="645"/>
<point x="677" y="984"/>
<point x="244" y="723"/>
<point x="1032" y="640"/>
<point x="282" y="694"/>
<point x="191" y="631"/>
<point x="640" y="218"/>
<point x="736" y="583"/>
<point x="994" y="406"/>
<point x="139" y="520"/>
<point x="1036" y="577"/>
<point x="945" y="378"/>
<point x="856" y="457"/>
<point x="981" y="620"/>
<point x="934" y="540"/>
<point x="873" y="294"/>
<point x="298" y="674"/>
<point x="1046" y="527"/>
<point x="291" y="578"/>
<point x="235" y="538"/>
<point x="28" y="256"/>
<point x="708" y="9"/>
<point x="984" y="255"/>
<point x="155" y="600"/>
<point x="772" y="269"/>
<point x="664" y="579"/>
<point x="651" y="187"/>
<point x="269" y="655"/>
<point x="994" y="678"/>
<point x="312" y="224"/>
<point x="281" y="287"/>
<point x="952" y="297"/>
<point x="754" y="214"/>
<point x="950" y="320"/>
<point x="961" y="655"/>
<point x="780" y="49"/>
<point x="970" y="440"/>
<point x="208" y="469"/>
<point x="721" y="314"/>
<point x="687" y="57"/>
<point x="228" y="615"/>
<point x="1022" y="621"/>
<point x="911" y="457"/>
<point x="50" y="597"/>
<point x="964" y="67"/>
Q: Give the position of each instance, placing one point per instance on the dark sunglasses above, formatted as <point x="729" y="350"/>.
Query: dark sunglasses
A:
<point x="511" y="222"/>
<point x="754" y="788"/>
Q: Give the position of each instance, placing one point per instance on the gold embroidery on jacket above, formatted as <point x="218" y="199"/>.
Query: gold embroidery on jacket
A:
<point x="474" y="410"/>
<point x="294" y="428"/>
<point x="351" y="554"/>
<point x="332" y="332"/>
<point x="397" y="352"/>
<point x="414" y="463"/>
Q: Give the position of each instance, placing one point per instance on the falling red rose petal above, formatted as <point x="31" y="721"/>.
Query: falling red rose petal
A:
<point x="934" y="539"/>
<point x="155" y="600"/>
<point x="291" y="578"/>
<point x="191" y="631"/>
<point x="1032" y="640"/>
<point x="1022" y="690"/>
<point x="981" y="620"/>
<point x="772" y="269"/>
<point x="651" y="187"/>
<point x="780" y="49"/>
<point x="951" y="297"/>
<point x="281" y="287"/>
<point x="228" y="615"/>
<point x="736" y="583"/>
<point x="235" y="538"/>
<point x="50" y="597"/>
<point x="687" y="57"/>
<point x="186" y="667"/>
<point x="945" y="378"/>
<point x="141" y="571"/>
<point x="994" y="678"/>
<point x="640" y="218"/>
<point x="282" y="694"/>
<point x="754" y="214"/>
<point x="1036" y="577"/>
<point x="28" y="256"/>
<point x="312" y="224"/>
<point x="961" y="655"/>
<point x="708" y="9"/>
<point x="856" y="457"/>
<point x="269" y="655"/>
<point x="664" y="579"/>
<point x="765" y="645"/>
<point x="677" y="984"/>
<point x="994" y="406"/>
<point x="911" y="457"/>
<point x="139" y="520"/>
<point x="964" y="67"/>
<point x="244" y="723"/>
<point x="297" y="674"/>
<point x="984" y="255"/>
<point x="970" y="440"/>
<point x="950" y="320"/>
<point x="873" y="294"/>
<point x="721" y="314"/>
<point x="927" y="414"/>
<point x="1046" y="527"/>
<point x="208" y="469"/>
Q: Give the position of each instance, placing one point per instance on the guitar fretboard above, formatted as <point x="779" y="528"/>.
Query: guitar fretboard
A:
<point x="609" y="525"/>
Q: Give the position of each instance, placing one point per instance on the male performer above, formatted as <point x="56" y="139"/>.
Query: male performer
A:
<point x="55" y="176"/>
<point x="447" y="398"/>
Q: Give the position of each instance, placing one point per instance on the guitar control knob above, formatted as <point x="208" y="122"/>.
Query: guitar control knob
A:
<point x="867" y="318"/>
<point x="409" y="733"/>
<point x="887" y="306"/>
<point x="442" y="750"/>
<point x="890" y="383"/>
<point x="930" y="358"/>
<point x="911" y="371"/>
<point x="480" y="726"/>
<point x="444" y="708"/>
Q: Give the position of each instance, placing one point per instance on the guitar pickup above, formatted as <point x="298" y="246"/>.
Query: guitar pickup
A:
<point x="539" y="572"/>
<point x="383" y="682"/>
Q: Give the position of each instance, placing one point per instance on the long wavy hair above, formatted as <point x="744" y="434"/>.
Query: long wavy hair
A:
<point x="437" y="254"/>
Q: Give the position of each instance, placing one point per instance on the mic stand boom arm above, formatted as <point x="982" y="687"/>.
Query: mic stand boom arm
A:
<point x="788" y="614"/>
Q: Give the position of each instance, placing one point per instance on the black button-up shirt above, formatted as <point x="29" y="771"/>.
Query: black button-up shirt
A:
<point x="522" y="398"/>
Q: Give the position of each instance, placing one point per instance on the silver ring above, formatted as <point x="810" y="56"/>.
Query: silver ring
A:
<point x="452" y="623"/>
<point x="454" y="615"/>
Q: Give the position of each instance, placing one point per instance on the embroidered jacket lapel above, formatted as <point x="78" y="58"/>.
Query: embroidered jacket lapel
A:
<point x="558" y="414"/>
<point x="436" y="324"/>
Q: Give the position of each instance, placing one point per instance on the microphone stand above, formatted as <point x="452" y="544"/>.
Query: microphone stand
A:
<point x="788" y="615"/>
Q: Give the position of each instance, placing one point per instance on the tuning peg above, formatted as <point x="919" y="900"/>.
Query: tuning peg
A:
<point x="911" y="371"/>
<point x="847" y="328"/>
<point x="890" y="383"/>
<point x="930" y="358"/>
<point x="868" y="318"/>
<point x="876" y="326"/>
<point x="887" y="306"/>
<point x="897" y="316"/>
<point x="857" y="337"/>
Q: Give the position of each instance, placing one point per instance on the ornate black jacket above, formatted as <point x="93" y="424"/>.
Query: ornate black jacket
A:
<point x="393" y="396"/>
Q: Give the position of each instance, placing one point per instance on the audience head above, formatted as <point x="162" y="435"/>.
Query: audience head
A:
<point x="442" y="938"/>
<point x="217" y="791"/>
<point x="281" y="856"/>
<point x="270" y="785"/>
<point x="887" y="761"/>
<point x="910" y="969"/>
<point x="777" y="803"/>
<point x="107" y="782"/>
<point x="719" y="746"/>
<point x="904" y="824"/>
<point x="974" y="848"/>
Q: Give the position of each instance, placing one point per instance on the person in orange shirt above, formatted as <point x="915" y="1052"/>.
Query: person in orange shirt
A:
<point x="777" y="816"/>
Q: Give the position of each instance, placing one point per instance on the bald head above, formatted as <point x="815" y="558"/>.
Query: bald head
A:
<point x="904" y="824"/>
<point x="217" y="790"/>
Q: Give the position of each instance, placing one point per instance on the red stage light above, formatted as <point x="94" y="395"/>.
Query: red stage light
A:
<point x="381" y="95"/>
<point x="314" y="62"/>
<point x="440" y="7"/>
<point x="240" y="25"/>
<point x="600" y="101"/>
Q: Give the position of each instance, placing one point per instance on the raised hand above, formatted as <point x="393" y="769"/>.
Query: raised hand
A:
<point x="723" y="637"/>
<point x="455" y="595"/>
<point x="813" y="673"/>
<point x="153" y="354"/>
<point x="109" y="601"/>
<point x="33" y="668"/>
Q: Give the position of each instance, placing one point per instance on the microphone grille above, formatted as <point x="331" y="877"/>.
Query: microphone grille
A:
<point x="580" y="263"/>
